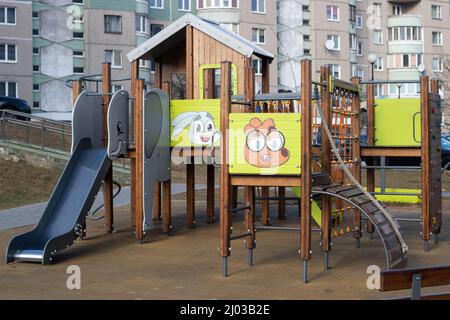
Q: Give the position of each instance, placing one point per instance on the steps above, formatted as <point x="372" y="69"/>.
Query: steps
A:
<point x="353" y="195"/>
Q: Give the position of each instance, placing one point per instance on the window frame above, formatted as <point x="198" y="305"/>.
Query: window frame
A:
<point x="155" y="6"/>
<point x="105" y="24"/>
<point x="258" y="37"/>
<point x="257" y="10"/>
<point x="7" y="88"/>
<point x="338" y="14"/>
<point x="6" y="23"/>
<point x="113" y="56"/>
<point x="183" y="9"/>
<point x="7" y="45"/>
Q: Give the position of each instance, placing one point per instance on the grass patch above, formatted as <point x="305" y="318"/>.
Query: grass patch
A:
<point x="23" y="184"/>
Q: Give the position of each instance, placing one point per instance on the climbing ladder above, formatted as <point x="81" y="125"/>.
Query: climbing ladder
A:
<point x="353" y="195"/>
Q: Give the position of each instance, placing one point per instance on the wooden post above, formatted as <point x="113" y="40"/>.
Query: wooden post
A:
<point x="134" y="77"/>
<point x="370" y="105"/>
<point x="139" y="141"/>
<point x="306" y="158"/>
<point x="190" y="167"/>
<point x="225" y="215"/>
<point x="326" y="161"/>
<point x="265" y="204"/>
<point x="426" y="161"/>
<point x="76" y="90"/>
<point x="250" y="241"/>
<point x="108" y="181"/>
<point x="210" y="169"/>
<point x="356" y="151"/>
<point x="166" y="185"/>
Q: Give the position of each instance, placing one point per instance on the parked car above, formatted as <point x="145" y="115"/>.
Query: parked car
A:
<point x="15" y="104"/>
<point x="445" y="148"/>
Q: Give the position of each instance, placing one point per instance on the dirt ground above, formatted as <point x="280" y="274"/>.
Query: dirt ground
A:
<point x="187" y="265"/>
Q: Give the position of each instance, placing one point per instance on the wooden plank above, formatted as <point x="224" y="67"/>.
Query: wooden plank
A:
<point x="402" y="279"/>
<point x="167" y="206"/>
<point x="265" y="209"/>
<point x="281" y="203"/>
<point x="138" y="116"/>
<point x="108" y="180"/>
<point x="225" y="109"/>
<point x="189" y="63"/>
<point x="306" y="155"/>
<point x="425" y="156"/>
<point x="367" y="151"/>
<point x="356" y="151"/>
<point x="249" y="196"/>
<point x="266" y="181"/>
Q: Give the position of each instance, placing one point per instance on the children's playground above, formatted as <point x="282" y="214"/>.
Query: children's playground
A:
<point x="293" y="206"/>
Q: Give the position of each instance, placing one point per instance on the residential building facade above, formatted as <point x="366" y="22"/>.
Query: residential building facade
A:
<point x="16" y="73"/>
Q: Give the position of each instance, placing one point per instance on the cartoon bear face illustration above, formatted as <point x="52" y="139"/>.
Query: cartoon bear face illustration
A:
<point x="265" y="144"/>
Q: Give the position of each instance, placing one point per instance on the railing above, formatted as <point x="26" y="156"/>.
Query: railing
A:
<point x="41" y="134"/>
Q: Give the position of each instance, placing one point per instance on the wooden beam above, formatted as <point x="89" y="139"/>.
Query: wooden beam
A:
<point x="76" y="90"/>
<point x="393" y="280"/>
<point x="139" y="140"/>
<point x="370" y="173"/>
<point x="210" y="168"/>
<point x="167" y="185"/>
<point x="266" y="181"/>
<point x="265" y="76"/>
<point x="249" y="198"/>
<point x="306" y="158"/>
<point x="356" y="151"/>
<point x="134" y="78"/>
<point x="426" y="159"/>
<point x="225" y="186"/>
<point x="390" y="151"/>
<point x="108" y="181"/>
<point x="326" y="159"/>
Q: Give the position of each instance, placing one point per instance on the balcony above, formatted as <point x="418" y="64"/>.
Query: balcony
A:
<point x="404" y="21"/>
<point x="220" y="15"/>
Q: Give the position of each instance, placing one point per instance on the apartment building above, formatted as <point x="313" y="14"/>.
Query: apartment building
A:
<point x="16" y="78"/>
<point x="402" y="37"/>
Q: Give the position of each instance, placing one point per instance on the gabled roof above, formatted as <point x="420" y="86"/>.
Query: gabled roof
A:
<point x="172" y="35"/>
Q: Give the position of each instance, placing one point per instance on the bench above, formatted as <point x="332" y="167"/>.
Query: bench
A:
<point x="416" y="279"/>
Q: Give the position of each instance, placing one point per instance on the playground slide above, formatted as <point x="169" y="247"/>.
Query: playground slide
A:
<point x="316" y="212"/>
<point x="64" y="218"/>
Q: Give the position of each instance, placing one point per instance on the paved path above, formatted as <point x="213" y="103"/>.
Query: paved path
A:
<point x="24" y="216"/>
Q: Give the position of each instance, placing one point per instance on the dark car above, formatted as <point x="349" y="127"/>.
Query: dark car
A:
<point x="15" y="104"/>
<point x="445" y="148"/>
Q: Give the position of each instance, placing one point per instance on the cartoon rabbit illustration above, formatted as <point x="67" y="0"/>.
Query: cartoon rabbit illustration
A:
<point x="202" y="129"/>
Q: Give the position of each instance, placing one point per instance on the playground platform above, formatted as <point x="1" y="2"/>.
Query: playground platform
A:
<point x="187" y="266"/>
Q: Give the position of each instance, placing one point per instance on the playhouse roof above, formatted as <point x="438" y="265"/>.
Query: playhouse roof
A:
<point x="172" y="35"/>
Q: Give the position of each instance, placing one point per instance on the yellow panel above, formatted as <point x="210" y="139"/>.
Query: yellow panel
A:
<point x="265" y="144"/>
<point x="195" y="123"/>
<point x="397" y="122"/>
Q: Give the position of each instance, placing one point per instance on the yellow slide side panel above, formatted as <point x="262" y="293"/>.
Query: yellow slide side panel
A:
<point x="265" y="144"/>
<point x="397" y="123"/>
<point x="195" y="123"/>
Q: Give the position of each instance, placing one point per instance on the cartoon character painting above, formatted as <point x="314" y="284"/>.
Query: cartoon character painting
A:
<point x="202" y="130"/>
<point x="265" y="144"/>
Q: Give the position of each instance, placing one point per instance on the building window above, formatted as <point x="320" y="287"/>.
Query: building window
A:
<point x="333" y="13"/>
<point x="201" y="4"/>
<point x="379" y="90"/>
<point x="34" y="14"/>
<point x="436" y="12"/>
<point x="36" y="51"/>
<point x="405" y="33"/>
<point x="259" y="36"/>
<point x="233" y="27"/>
<point x="336" y="40"/>
<point x="257" y="66"/>
<point x="438" y="65"/>
<point x="259" y="6"/>
<point x="144" y="63"/>
<point x="78" y="1"/>
<point x="157" y="4"/>
<point x="377" y="9"/>
<point x="8" y="89"/>
<point x="359" y="48"/>
<point x="397" y="10"/>
<point x="155" y="28"/>
<point x="336" y="71"/>
<point x="8" y="53"/>
<point x="36" y="68"/>
<point x="36" y="87"/>
<point x="377" y="37"/>
<point x="142" y="24"/>
<point x="184" y="5"/>
<point x="78" y="70"/>
<point x="36" y="104"/>
<point x="78" y="35"/>
<point x="114" y="57"/>
<point x="436" y="38"/>
<point x="379" y="64"/>
<point x="35" y="32"/>
<point x="78" y="54"/>
<point x="7" y="15"/>
<point x="113" y="24"/>
<point x="359" y="22"/>
<point x="353" y="42"/>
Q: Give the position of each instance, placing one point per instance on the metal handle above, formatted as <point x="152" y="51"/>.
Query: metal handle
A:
<point x="414" y="127"/>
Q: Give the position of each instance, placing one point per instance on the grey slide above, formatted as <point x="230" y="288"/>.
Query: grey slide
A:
<point x="64" y="218"/>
